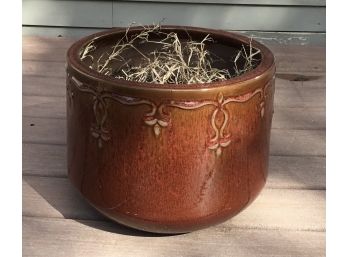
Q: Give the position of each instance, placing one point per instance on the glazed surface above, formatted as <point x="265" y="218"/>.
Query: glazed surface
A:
<point x="169" y="160"/>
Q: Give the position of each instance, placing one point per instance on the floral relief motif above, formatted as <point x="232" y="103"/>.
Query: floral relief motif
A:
<point x="156" y="123"/>
<point x="98" y="130"/>
<point x="264" y="96"/>
<point x="69" y="91"/>
<point x="220" y="139"/>
<point x="158" y="119"/>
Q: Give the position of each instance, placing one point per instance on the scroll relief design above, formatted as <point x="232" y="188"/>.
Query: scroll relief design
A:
<point x="156" y="116"/>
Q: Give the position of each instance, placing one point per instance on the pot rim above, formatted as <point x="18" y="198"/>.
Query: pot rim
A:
<point x="264" y="67"/>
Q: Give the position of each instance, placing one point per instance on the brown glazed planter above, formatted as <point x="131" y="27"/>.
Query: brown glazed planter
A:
<point x="169" y="158"/>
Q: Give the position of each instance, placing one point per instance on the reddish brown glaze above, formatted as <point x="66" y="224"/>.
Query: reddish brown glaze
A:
<point x="168" y="158"/>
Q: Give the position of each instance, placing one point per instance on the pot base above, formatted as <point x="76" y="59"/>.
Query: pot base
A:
<point x="170" y="227"/>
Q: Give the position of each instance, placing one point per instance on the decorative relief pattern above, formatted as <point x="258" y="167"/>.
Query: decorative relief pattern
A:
<point x="69" y="91"/>
<point x="98" y="130"/>
<point x="220" y="139"/>
<point x="157" y="118"/>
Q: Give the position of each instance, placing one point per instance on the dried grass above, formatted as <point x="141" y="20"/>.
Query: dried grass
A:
<point x="249" y="60"/>
<point x="172" y="62"/>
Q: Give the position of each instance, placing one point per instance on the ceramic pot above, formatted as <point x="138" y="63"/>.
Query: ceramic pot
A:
<point x="169" y="158"/>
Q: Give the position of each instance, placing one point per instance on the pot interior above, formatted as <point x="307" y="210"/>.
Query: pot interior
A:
<point x="223" y="49"/>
